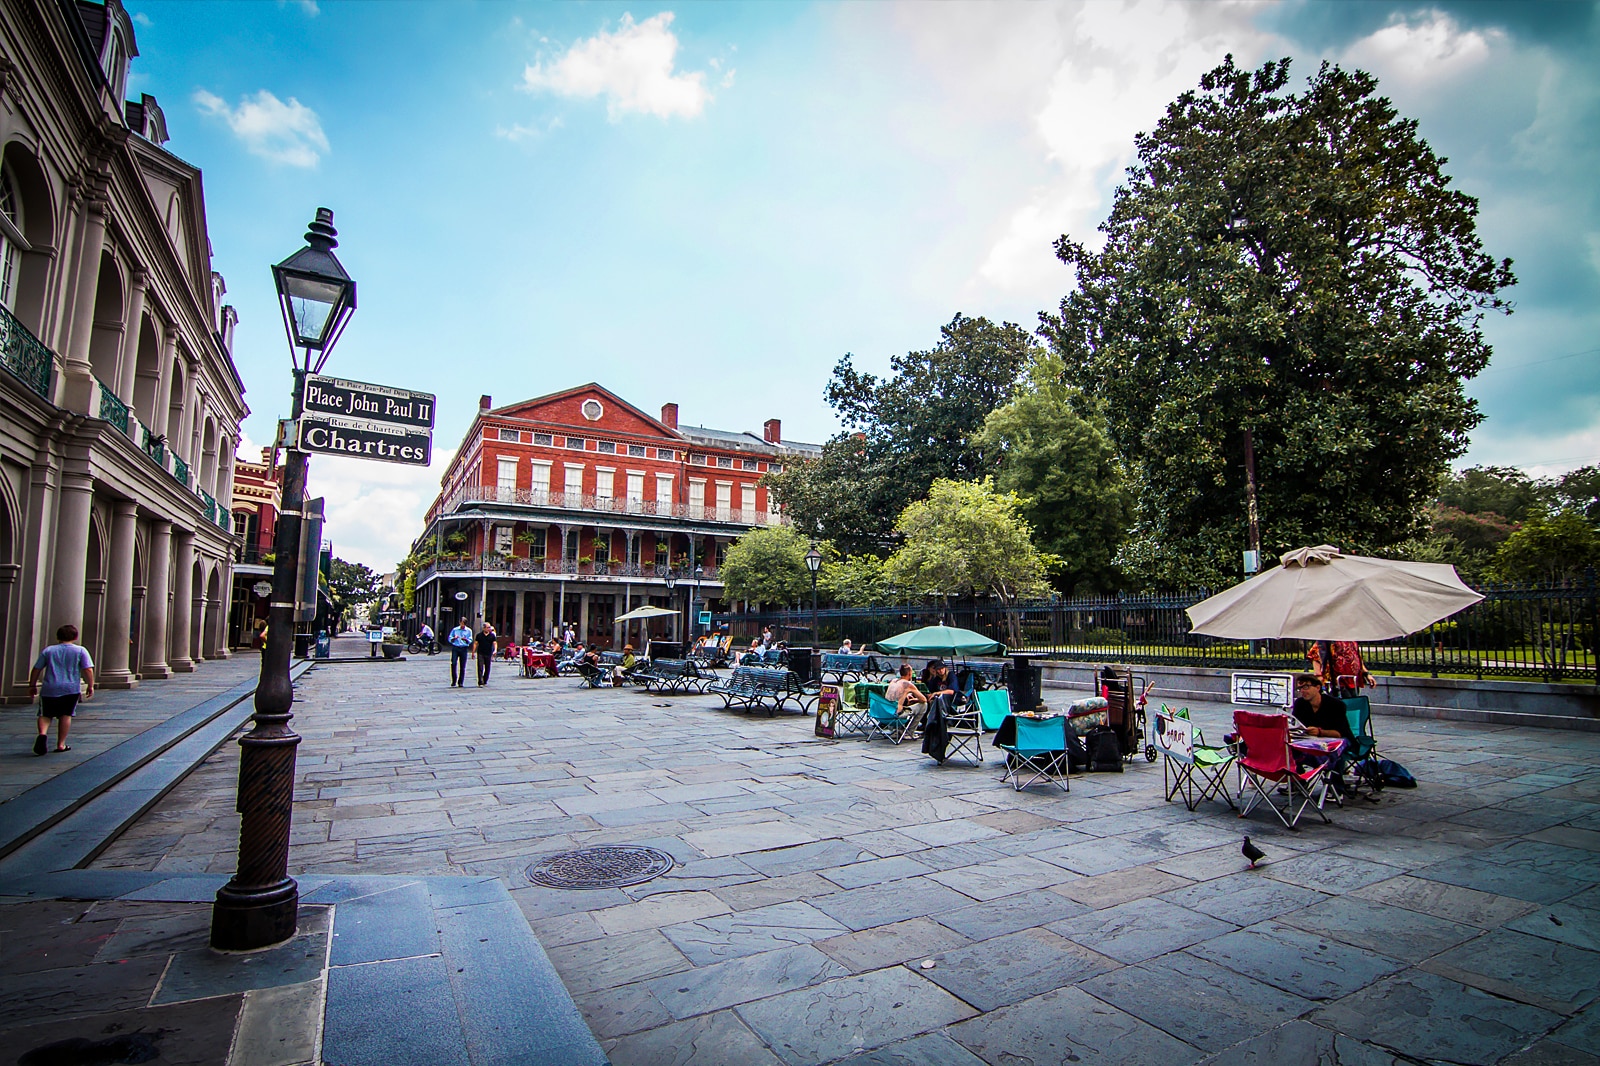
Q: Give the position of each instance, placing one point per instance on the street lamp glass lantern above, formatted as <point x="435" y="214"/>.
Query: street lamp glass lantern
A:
<point x="813" y="559"/>
<point x="672" y="580"/>
<point x="314" y="291"/>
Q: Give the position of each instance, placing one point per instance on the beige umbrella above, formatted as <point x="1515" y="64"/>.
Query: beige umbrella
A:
<point x="1320" y="594"/>
<point x="641" y="613"/>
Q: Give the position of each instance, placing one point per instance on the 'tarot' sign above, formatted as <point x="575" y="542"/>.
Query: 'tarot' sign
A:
<point x="369" y="403"/>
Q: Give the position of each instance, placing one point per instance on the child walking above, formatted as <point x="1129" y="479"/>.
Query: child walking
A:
<point x="66" y="668"/>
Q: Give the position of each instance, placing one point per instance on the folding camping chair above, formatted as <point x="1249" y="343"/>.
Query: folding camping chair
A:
<point x="1040" y="749"/>
<point x="1190" y="768"/>
<point x="887" y="722"/>
<point x="963" y="727"/>
<point x="1361" y="757"/>
<point x="993" y="706"/>
<point x="1266" y="761"/>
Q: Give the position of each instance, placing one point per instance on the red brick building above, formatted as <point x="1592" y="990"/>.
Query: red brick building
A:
<point x="257" y="491"/>
<point x="572" y="507"/>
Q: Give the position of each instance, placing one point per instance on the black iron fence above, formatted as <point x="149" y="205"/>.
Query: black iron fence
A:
<point x="1543" y="632"/>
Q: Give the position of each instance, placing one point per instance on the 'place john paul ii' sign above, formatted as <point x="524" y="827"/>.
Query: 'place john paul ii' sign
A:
<point x="366" y="421"/>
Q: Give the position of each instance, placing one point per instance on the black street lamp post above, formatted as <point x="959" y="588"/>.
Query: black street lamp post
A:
<point x="671" y="579"/>
<point x="259" y="906"/>
<point x="694" y="621"/>
<point x="813" y="564"/>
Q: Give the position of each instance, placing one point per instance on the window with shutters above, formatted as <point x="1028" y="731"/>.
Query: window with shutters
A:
<point x="635" y="486"/>
<point x="541" y="480"/>
<point x="603" y="482"/>
<point x="506" y="479"/>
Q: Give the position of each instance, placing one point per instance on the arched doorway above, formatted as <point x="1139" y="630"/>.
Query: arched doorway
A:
<point x="197" y="611"/>
<point x="105" y="340"/>
<point x="9" y="572"/>
<point x="94" y="593"/>
<point x="216" y="617"/>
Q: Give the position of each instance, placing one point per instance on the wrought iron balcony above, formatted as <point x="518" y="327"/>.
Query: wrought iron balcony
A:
<point x="112" y="409"/>
<point x="180" y="470"/>
<point x="24" y="354"/>
<point x="495" y="563"/>
<point x="155" y="447"/>
<point x="592" y="506"/>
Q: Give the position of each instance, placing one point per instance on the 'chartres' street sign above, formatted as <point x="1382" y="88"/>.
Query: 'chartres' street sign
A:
<point x="366" y="440"/>
<point x="370" y="403"/>
<point x="366" y="421"/>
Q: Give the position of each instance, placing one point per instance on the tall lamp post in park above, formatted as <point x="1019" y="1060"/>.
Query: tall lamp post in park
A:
<point x="814" y="564"/>
<point x="694" y="622"/>
<point x="259" y="906"/>
<point x="671" y="578"/>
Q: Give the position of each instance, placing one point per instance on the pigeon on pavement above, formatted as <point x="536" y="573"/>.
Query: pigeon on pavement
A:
<point x="1251" y="852"/>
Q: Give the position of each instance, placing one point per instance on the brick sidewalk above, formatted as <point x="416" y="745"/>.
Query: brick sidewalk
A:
<point x="1459" y="922"/>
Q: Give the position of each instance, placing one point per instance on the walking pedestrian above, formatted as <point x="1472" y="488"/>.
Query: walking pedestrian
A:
<point x="66" y="670"/>
<point x="485" y="644"/>
<point x="460" y="641"/>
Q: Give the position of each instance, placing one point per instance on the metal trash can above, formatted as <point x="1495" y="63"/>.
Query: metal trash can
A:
<point x="800" y="663"/>
<point x="1026" y="682"/>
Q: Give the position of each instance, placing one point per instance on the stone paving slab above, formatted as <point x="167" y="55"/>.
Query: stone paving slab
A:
<point x="815" y="879"/>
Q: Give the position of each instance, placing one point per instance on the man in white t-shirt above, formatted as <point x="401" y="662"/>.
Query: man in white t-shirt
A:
<point x="66" y="670"/>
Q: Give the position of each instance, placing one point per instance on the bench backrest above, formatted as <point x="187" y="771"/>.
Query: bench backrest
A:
<point x="674" y="667"/>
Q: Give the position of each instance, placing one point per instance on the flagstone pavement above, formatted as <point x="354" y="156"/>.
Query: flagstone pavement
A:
<point x="841" y="901"/>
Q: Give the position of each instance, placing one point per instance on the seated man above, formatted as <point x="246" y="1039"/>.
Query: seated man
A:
<point x="903" y="690"/>
<point x="941" y="685"/>
<point x="844" y="647"/>
<point x="1322" y="715"/>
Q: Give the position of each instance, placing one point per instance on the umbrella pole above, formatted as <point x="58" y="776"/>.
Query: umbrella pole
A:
<point x="1250" y="505"/>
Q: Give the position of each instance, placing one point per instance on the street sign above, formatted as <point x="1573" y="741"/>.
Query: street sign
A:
<point x="262" y="589"/>
<point x="366" y="421"/>
<point x="461" y="595"/>
<point x="705" y="618"/>
<point x="372" y="403"/>
<point x="364" y="439"/>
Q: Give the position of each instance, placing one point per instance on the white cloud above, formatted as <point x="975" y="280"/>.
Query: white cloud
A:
<point x="517" y="131"/>
<point x="373" y="509"/>
<point x="288" y="133"/>
<point x="1427" y="47"/>
<point x="631" y="67"/>
<point x="141" y="19"/>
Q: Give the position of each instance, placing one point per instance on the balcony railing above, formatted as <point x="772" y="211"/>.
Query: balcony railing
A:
<point x="180" y="470"/>
<point x="112" y="409"/>
<point x="495" y="563"/>
<point x="24" y="354"/>
<point x="469" y="495"/>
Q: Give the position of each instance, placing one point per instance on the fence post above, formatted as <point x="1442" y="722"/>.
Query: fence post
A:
<point x="1594" y="622"/>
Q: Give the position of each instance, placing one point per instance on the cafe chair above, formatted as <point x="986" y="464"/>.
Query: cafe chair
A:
<point x="1190" y="769"/>
<point x="1361" y="757"/>
<point x="993" y="704"/>
<point x="887" y="722"/>
<point x="1037" y="751"/>
<point x="1266" y="762"/>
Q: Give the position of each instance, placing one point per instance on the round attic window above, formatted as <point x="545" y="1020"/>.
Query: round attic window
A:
<point x="592" y="410"/>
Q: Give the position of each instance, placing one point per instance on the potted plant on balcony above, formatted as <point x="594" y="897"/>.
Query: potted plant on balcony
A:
<point x="585" y="564"/>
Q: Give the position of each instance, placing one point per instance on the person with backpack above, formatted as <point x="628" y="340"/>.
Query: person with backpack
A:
<point x="66" y="671"/>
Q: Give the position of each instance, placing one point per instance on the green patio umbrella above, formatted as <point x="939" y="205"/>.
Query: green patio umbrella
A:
<point x="941" y="640"/>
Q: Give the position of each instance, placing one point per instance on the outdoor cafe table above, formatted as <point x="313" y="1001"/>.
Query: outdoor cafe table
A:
<point x="534" y="661"/>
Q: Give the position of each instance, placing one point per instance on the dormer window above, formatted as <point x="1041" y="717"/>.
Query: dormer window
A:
<point x="116" y="68"/>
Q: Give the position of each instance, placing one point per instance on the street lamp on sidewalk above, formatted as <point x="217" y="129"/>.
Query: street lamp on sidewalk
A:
<point x="694" y="622"/>
<point x="259" y="906"/>
<point x="813" y="564"/>
<point x="671" y="578"/>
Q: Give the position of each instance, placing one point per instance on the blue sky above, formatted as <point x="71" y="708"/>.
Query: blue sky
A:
<point x="711" y="203"/>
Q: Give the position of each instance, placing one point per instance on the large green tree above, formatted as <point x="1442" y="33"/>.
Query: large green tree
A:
<point x="904" y="431"/>
<point x="967" y="539"/>
<point x="351" y="583"/>
<point x="766" y="565"/>
<point x="1064" y="471"/>
<point x="1295" y="264"/>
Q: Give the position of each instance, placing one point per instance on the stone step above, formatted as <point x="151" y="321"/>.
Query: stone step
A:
<point x="66" y="821"/>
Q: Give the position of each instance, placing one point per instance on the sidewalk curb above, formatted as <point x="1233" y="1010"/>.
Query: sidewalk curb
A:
<point x="48" y="803"/>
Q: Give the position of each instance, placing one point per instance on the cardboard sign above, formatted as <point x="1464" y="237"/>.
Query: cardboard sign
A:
<point x="827" y="710"/>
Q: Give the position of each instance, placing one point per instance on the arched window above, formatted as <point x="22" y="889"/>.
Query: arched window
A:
<point x="116" y="66"/>
<point x="12" y="244"/>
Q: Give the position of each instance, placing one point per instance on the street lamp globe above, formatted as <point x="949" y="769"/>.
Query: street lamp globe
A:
<point x="671" y="579"/>
<point x="813" y="559"/>
<point x="314" y="292"/>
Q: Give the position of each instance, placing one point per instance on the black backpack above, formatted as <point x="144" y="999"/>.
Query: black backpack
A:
<point x="1105" y="751"/>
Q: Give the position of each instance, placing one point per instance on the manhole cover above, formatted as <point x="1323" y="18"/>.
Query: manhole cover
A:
<point x="607" y="866"/>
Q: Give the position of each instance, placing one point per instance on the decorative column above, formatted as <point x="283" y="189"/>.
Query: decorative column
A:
<point x="169" y="354"/>
<point x="182" y="601"/>
<point x="73" y="500"/>
<point x="186" y="425"/>
<point x="156" y="604"/>
<point x="130" y="336"/>
<point x="114" y="672"/>
<point x="77" y="377"/>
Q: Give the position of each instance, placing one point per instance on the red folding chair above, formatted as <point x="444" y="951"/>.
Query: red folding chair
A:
<point x="1266" y="763"/>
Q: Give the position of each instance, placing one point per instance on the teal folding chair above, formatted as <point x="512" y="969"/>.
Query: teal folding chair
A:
<point x="886" y="721"/>
<point x="1361" y="758"/>
<point x="993" y="706"/>
<point x="1038" y="750"/>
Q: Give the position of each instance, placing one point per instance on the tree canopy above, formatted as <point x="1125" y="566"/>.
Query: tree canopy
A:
<point x="766" y="565"/>
<point x="903" y="432"/>
<point x="968" y="539"/>
<point x="1295" y="264"/>
<point x="351" y="583"/>
<point x="1558" y="547"/>
<point x="1061" y="466"/>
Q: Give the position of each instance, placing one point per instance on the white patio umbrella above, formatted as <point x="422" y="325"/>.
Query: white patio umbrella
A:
<point x="642" y="613"/>
<point x="1321" y="594"/>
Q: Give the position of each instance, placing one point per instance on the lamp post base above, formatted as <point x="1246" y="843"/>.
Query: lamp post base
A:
<point x="246" y="919"/>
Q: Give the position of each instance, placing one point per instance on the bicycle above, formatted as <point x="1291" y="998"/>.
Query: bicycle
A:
<point x="418" y="647"/>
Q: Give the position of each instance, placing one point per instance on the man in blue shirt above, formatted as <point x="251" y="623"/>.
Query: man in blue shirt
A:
<point x="65" y="669"/>
<point x="460" y="640"/>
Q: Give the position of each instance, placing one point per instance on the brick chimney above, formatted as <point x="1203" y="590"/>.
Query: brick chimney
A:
<point x="484" y="403"/>
<point x="772" y="431"/>
<point x="669" y="415"/>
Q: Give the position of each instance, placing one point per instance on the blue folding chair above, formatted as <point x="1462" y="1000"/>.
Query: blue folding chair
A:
<point x="887" y="722"/>
<point x="994" y="704"/>
<point x="1039" y="749"/>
